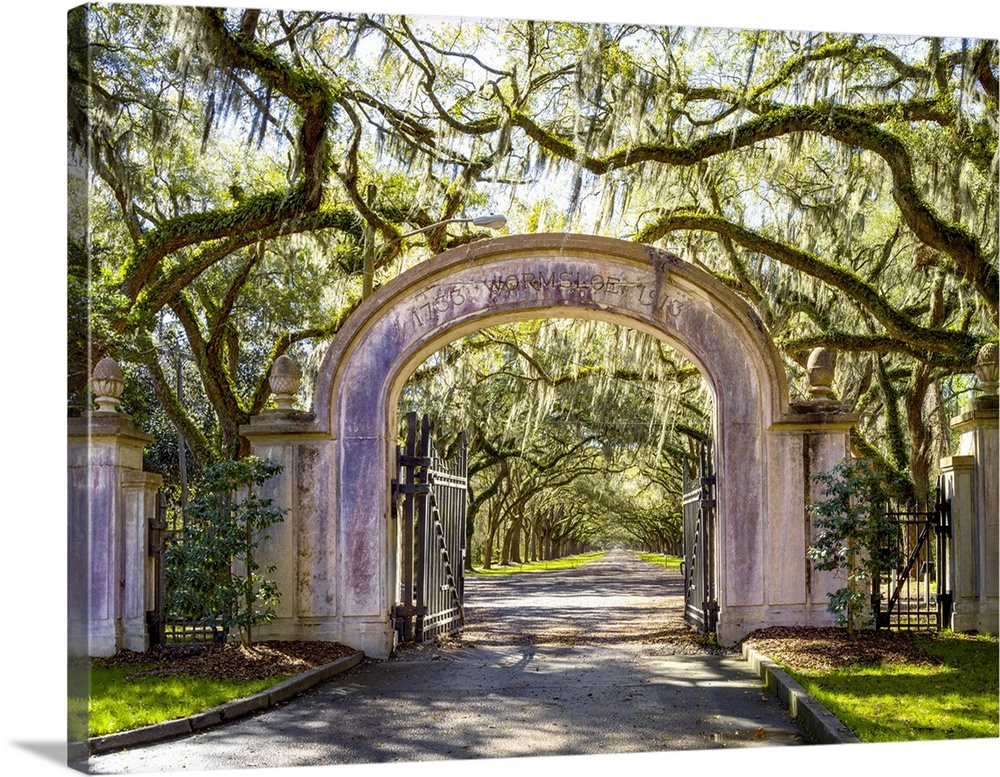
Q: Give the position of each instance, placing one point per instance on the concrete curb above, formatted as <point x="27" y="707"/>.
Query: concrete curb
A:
<point x="821" y="724"/>
<point x="224" y="712"/>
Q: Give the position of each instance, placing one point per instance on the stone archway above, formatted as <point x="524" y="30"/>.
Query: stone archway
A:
<point x="335" y="550"/>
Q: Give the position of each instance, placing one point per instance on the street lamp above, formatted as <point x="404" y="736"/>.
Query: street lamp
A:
<point x="491" y="221"/>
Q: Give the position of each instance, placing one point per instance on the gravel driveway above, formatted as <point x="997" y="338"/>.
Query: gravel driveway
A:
<point x="593" y="660"/>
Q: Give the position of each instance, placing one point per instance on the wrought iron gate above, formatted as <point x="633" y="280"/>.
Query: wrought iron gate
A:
<point x="156" y="619"/>
<point x="700" y="605"/>
<point x="916" y="595"/>
<point x="430" y="511"/>
<point x="165" y="529"/>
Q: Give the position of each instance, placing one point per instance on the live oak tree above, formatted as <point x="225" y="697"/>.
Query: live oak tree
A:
<point x="844" y="185"/>
<point x="866" y="167"/>
<point x="212" y="148"/>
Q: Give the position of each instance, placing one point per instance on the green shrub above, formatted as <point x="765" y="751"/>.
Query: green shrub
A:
<point x="212" y="572"/>
<point x="854" y="537"/>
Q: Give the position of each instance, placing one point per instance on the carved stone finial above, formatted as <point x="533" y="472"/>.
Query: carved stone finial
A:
<point x="819" y="368"/>
<point x="284" y="380"/>
<point x="987" y="369"/>
<point x="107" y="383"/>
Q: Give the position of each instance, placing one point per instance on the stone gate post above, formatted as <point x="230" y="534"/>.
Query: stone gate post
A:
<point x="806" y="442"/>
<point x="973" y="482"/>
<point x="303" y="547"/>
<point x="110" y="504"/>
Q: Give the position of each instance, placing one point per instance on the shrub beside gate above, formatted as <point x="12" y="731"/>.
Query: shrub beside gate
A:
<point x="209" y="581"/>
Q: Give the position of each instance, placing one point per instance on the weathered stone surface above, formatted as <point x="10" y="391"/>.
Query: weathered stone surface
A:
<point x="363" y="502"/>
<point x="787" y="582"/>
<point x="316" y="531"/>
<point x="304" y="546"/>
<point x="280" y="539"/>
<point x="975" y="515"/>
<point x="110" y="503"/>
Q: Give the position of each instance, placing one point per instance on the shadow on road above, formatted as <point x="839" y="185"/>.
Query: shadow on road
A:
<point x="593" y="660"/>
<point x="617" y="599"/>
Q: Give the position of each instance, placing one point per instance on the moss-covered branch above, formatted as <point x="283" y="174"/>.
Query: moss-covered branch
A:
<point x="849" y="342"/>
<point x="863" y="449"/>
<point x="959" y="345"/>
<point x="160" y="291"/>
<point x="830" y="121"/>
<point x="893" y="426"/>
<point x="985" y="54"/>
<point x="311" y="94"/>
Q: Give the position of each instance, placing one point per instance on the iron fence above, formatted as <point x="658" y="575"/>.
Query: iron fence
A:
<point x="915" y="594"/>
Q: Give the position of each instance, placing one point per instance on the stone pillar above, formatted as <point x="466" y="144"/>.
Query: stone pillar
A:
<point x="973" y="482"/>
<point x="139" y="493"/>
<point x="303" y="547"/>
<point x="811" y="439"/>
<point x="110" y="503"/>
<point x="959" y="476"/>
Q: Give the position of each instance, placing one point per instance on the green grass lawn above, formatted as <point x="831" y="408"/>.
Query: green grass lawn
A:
<point x="954" y="700"/>
<point x="541" y="566"/>
<point x="659" y="558"/>
<point x="118" y="703"/>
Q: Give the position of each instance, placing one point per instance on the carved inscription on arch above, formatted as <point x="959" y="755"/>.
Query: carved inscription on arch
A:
<point x="587" y="284"/>
<point x="436" y="304"/>
<point x="590" y="284"/>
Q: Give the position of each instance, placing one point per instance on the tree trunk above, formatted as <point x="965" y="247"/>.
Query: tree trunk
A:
<point x="488" y="548"/>
<point x="515" y="541"/>
<point x="920" y="435"/>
